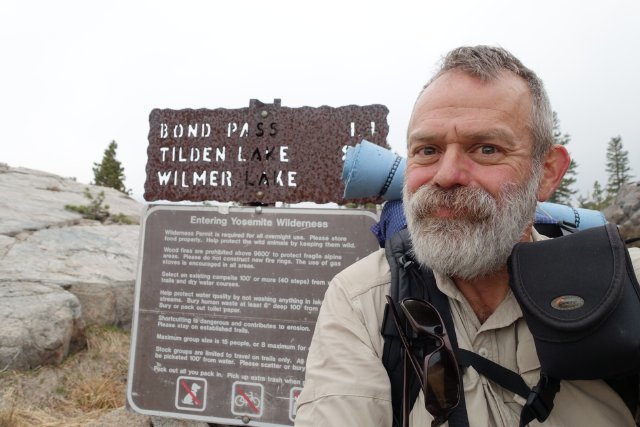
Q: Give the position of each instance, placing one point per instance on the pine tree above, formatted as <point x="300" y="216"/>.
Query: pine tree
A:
<point x="617" y="167"/>
<point x="597" y="201"/>
<point x="565" y="191"/>
<point x="109" y="172"/>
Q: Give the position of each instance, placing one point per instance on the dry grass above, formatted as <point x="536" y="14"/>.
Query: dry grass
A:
<point x="81" y="389"/>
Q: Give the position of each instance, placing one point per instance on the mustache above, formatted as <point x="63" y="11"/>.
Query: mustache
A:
<point x="470" y="203"/>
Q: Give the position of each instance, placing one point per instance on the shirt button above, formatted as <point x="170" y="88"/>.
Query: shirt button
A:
<point x="483" y="352"/>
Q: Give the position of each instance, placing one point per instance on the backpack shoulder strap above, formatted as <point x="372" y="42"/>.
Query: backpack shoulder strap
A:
<point x="396" y="249"/>
<point x="408" y="280"/>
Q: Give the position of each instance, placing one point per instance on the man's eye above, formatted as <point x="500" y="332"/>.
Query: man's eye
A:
<point x="487" y="149"/>
<point x="428" y="151"/>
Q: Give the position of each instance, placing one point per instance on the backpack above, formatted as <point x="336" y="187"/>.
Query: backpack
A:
<point x="409" y="280"/>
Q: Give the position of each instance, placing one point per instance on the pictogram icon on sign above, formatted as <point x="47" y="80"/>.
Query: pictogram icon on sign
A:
<point x="191" y="393"/>
<point x="247" y="399"/>
<point x="293" y="399"/>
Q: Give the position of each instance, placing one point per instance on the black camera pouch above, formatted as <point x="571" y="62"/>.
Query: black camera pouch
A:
<point x="580" y="298"/>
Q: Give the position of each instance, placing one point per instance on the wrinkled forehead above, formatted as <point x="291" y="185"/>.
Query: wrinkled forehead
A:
<point x="458" y="88"/>
<point x="507" y="96"/>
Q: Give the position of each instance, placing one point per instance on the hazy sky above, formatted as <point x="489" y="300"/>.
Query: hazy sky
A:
<point x="77" y="74"/>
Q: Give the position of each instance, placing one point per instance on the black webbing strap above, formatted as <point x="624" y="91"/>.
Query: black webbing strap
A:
<point x="498" y="373"/>
<point x="539" y="398"/>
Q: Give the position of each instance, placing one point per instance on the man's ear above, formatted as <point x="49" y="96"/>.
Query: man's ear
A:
<point x="555" y="165"/>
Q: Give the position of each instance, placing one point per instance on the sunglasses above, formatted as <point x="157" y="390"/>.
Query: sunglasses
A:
<point x="438" y="373"/>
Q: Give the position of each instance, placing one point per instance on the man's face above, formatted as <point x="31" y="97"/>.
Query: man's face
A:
<point x="465" y="132"/>
<point x="469" y="189"/>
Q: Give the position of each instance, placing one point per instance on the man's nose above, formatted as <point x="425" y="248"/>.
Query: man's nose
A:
<point x="453" y="169"/>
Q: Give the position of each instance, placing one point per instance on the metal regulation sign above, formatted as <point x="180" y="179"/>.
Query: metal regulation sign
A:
<point x="226" y="303"/>
<point x="265" y="153"/>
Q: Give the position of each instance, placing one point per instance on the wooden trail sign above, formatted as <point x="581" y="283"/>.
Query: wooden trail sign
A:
<point x="260" y="154"/>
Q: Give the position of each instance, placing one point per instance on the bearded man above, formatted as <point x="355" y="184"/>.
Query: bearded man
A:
<point x="480" y="155"/>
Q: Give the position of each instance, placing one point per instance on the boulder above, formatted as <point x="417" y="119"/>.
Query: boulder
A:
<point x="59" y="271"/>
<point x="41" y="324"/>
<point x="97" y="263"/>
<point x="625" y="211"/>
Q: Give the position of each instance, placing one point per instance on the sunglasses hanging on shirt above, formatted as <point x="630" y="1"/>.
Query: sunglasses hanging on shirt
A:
<point x="437" y="371"/>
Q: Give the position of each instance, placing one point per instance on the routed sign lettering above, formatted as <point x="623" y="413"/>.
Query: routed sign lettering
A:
<point x="265" y="153"/>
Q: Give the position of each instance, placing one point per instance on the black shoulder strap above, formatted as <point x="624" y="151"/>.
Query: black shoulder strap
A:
<point x="408" y="280"/>
<point x="401" y="287"/>
<point x="440" y="301"/>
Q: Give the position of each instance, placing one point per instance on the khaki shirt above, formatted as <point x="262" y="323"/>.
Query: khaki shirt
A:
<point x="347" y="385"/>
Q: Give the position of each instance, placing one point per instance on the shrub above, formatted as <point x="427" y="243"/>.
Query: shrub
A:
<point x="96" y="210"/>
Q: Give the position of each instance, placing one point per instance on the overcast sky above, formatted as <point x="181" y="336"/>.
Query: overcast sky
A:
<point x="77" y="74"/>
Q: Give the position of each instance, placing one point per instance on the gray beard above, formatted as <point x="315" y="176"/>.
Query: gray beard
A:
<point x="479" y="237"/>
